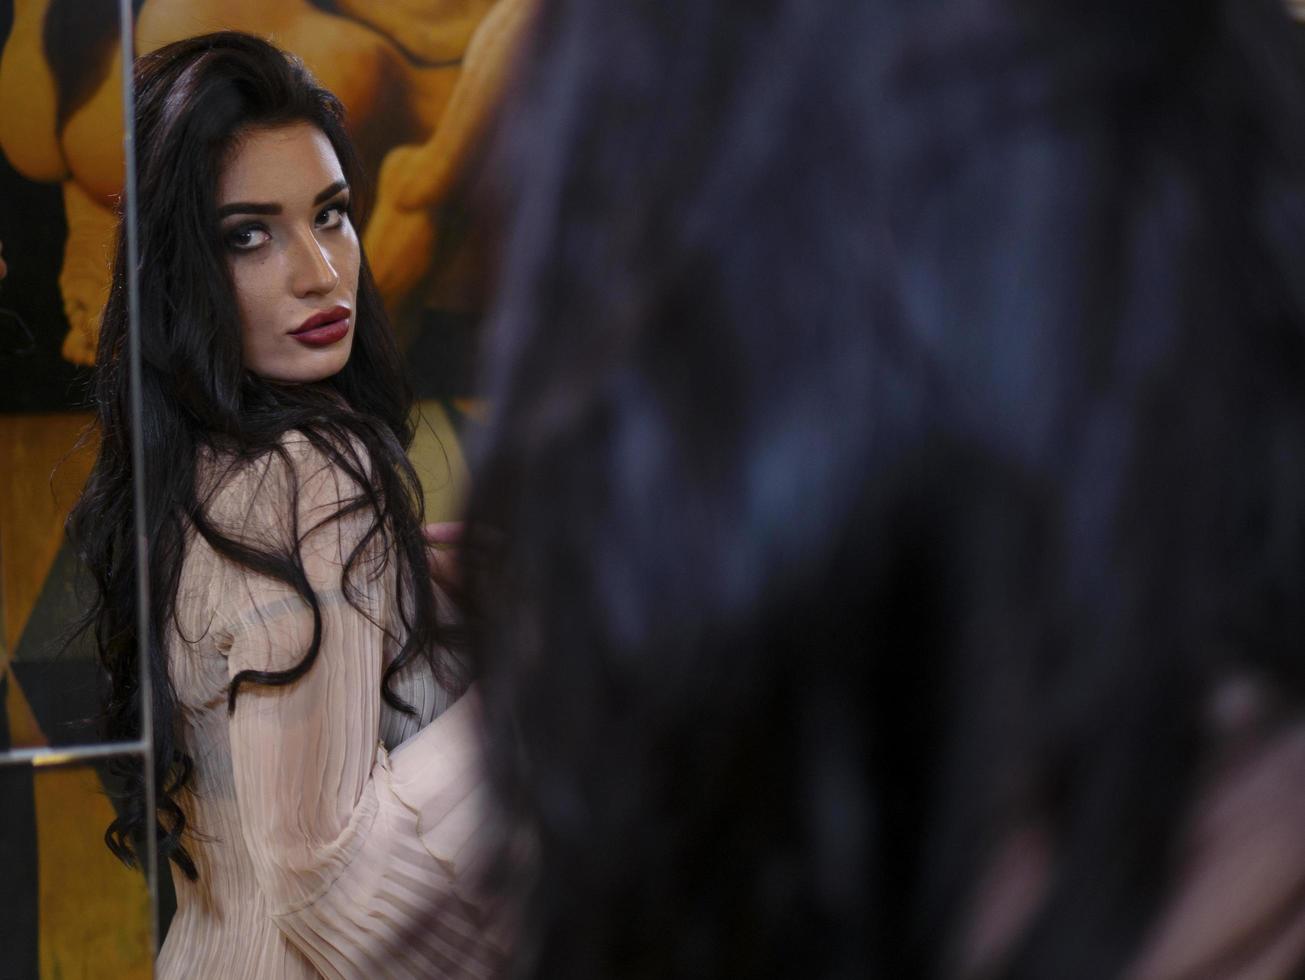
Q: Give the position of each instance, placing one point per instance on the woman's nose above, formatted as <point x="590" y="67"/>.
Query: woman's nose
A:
<point x="312" y="271"/>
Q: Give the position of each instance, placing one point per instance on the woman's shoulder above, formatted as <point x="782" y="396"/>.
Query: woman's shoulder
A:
<point x="302" y="473"/>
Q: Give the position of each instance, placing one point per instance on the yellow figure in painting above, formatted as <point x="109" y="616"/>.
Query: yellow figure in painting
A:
<point x="414" y="180"/>
<point x="30" y="138"/>
<point x="418" y="78"/>
<point x="79" y="145"/>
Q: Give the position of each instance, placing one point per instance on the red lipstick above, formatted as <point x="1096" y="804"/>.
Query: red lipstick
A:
<point x="323" y="329"/>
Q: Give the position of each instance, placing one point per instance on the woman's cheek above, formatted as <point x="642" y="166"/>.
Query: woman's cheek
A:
<point x="257" y="302"/>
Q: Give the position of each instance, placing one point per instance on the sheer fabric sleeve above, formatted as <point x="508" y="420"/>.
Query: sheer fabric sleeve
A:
<point x="362" y="857"/>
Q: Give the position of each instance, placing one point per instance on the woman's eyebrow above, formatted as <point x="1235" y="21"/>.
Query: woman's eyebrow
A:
<point x="250" y="207"/>
<point x="336" y="188"/>
<point x="245" y="207"/>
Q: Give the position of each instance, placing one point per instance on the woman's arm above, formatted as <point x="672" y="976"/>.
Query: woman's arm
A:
<point x="359" y="855"/>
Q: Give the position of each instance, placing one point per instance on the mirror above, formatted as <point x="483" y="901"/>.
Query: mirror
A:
<point x="418" y="81"/>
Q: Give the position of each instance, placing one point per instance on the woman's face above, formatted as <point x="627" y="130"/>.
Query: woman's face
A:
<point x="292" y="250"/>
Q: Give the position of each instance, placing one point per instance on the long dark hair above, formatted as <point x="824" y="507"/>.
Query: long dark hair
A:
<point x="192" y="98"/>
<point x="898" y="426"/>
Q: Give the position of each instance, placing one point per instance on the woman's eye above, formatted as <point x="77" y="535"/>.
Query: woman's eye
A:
<point x="247" y="237"/>
<point x="331" y="217"/>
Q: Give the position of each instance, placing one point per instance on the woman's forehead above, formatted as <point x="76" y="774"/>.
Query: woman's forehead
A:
<point x="278" y="164"/>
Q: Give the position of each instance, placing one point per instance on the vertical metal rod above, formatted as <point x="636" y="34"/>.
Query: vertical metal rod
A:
<point x="129" y="204"/>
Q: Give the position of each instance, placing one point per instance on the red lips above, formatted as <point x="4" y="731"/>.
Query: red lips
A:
<point x="325" y="328"/>
<point x="326" y="316"/>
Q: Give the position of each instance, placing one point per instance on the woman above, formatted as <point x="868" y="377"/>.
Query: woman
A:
<point x="897" y="484"/>
<point x="293" y="631"/>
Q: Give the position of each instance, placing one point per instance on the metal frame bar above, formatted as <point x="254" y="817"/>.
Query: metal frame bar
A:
<point x="63" y="756"/>
<point x="127" y="39"/>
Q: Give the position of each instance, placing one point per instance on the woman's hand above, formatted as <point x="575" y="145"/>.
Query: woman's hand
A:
<point x="442" y="540"/>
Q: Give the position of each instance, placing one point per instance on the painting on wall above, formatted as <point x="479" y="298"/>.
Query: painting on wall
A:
<point x="419" y="80"/>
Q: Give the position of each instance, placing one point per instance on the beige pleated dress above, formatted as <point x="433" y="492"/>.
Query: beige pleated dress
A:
<point x="333" y="835"/>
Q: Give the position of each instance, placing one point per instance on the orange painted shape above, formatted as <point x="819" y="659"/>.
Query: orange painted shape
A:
<point x="33" y="506"/>
<point x="94" y="912"/>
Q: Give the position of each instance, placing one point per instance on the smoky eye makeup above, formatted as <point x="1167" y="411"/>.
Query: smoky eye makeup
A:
<point x="339" y="205"/>
<point x="245" y="236"/>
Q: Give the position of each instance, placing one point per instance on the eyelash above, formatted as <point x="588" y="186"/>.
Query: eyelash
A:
<point x="234" y="234"/>
<point x="340" y="207"/>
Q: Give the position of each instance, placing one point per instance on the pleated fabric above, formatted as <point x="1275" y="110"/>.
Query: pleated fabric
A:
<point x="334" y="836"/>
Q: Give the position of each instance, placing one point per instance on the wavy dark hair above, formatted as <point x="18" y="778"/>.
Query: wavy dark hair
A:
<point x="193" y="98"/>
<point x="898" y="426"/>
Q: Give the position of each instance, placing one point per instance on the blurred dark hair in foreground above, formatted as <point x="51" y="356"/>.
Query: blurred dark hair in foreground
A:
<point x="897" y="489"/>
